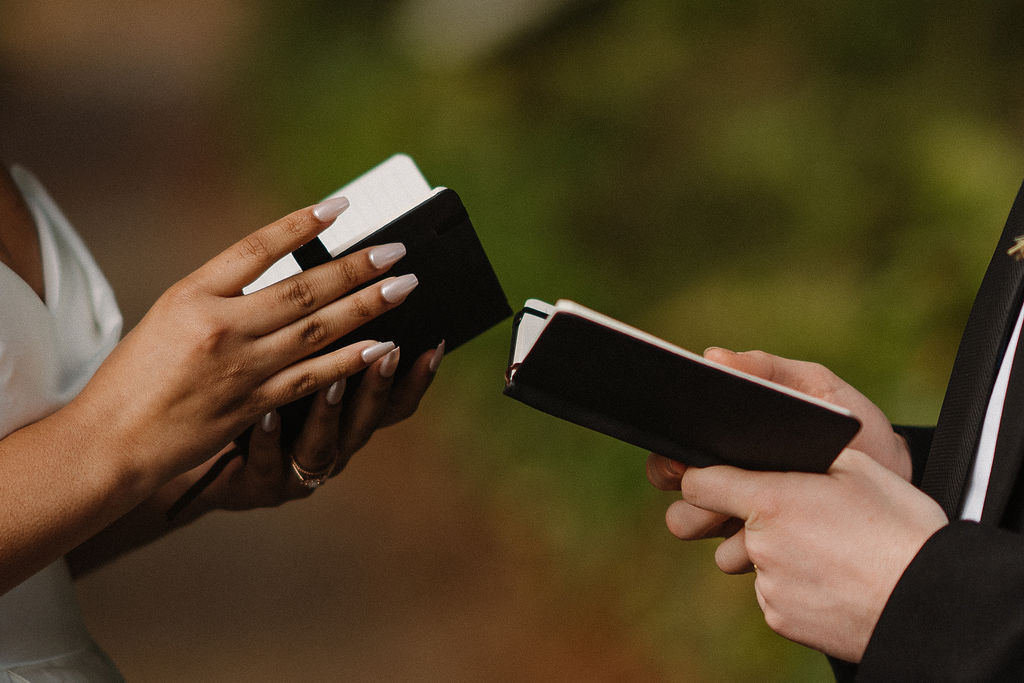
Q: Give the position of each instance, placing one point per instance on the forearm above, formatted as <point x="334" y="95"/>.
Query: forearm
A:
<point x="146" y="522"/>
<point x="61" y="481"/>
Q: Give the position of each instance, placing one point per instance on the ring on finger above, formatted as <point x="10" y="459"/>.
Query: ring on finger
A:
<point x="313" y="479"/>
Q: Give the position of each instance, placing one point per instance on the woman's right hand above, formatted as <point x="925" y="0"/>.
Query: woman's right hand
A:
<point x="205" y="361"/>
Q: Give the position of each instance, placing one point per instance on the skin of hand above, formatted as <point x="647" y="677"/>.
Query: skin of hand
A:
<point x="203" y="364"/>
<point x="876" y="436"/>
<point x="828" y="549"/>
<point x="336" y="427"/>
<point x="206" y="362"/>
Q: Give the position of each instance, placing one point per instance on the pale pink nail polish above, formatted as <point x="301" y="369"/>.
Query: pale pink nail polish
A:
<point x="269" y="421"/>
<point x="374" y="352"/>
<point x="390" y="363"/>
<point x="335" y="392"/>
<point x="435" y="360"/>
<point x="386" y="255"/>
<point x="396" y="289"/>
<point x="330" y="208"/>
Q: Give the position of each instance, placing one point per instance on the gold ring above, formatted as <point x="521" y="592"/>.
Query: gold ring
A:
<point x="753" y="563"/>
<point x="310" y="479"/>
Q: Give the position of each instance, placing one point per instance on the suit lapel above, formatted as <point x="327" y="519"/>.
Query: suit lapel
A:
<point x="988" y="328"/>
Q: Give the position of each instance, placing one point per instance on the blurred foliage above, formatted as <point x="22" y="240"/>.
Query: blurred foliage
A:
<point x="821" y="180"/>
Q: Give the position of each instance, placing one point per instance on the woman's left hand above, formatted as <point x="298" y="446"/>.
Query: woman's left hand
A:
<point x="338" y="424"/>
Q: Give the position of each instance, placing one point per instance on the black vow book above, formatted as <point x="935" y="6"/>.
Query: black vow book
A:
<point x="587" y="368"/>
<point x="458" y="296"/>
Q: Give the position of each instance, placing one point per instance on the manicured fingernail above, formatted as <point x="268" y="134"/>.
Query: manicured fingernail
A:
<point x="330" y="208"/>
<point x="335" y="392"/>
<point x="398" y="288"/>
<point x="386" y="254"/>
<point x="390" y="363"/>
<point x="269" y="421"/>
<point x="435" y="360"/>
<point x="711" y="349"/>
<point x="374" y="352"/>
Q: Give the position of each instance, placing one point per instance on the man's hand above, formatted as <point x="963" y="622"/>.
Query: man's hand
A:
<point x="828" y="549"/>
<point x="876" y="437"/>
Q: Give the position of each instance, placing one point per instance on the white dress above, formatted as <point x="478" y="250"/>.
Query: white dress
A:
<point x="48" y="351"/>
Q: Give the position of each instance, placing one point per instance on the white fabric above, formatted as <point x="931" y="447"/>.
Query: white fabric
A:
<point x="48" y="351"/>
<point x="977" y="484"/>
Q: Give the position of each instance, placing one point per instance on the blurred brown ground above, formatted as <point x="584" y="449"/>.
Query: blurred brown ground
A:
<point x="398" y="570"/>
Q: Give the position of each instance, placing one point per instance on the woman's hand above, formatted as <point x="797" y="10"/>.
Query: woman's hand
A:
<point x="205" y="362"/>
<point x="336" y="426"/>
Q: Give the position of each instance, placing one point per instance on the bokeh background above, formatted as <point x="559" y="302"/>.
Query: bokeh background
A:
<point x="820" y="180"/>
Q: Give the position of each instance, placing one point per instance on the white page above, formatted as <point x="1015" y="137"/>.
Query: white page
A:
<point x="376" y="198"/>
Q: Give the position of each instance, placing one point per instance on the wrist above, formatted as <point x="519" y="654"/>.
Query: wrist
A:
<point x="107" y="446"/>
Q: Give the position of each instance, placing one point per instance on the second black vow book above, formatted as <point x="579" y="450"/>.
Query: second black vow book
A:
<point x="587" y="368"/>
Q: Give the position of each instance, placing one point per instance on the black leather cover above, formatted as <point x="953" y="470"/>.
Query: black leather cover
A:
<point x="686" y="409"/>
<point x="458" y="297"/>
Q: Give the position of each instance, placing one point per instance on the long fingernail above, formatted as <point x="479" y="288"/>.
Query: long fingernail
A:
<point x="335" y="392"/>
<point x="330" y="208"/>
<point x="386" y="254"/>
<point x="398" y="288"/>
<point x="390" y="363"/>
<point x="269" y="421"/>
<point x="435" y="360"/>
<point x="374" y="352"/>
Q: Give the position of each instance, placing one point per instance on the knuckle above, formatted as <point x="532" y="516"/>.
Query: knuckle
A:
<point x="403" y="412"/>
<point x="764" y="509"/>
<point x="255" y="246"/>
<point x="362" y="309"/>
<point x="299" y="292"/>
<point x="313" y="332"/>
<point x="237" y="371"/>
<point x="305" y="383"/>
<point x="180" y="293"/>
<point x="349" y="273"/>
<point x="294" y="224"/>
<point x="209" y="335"/>
<point x="820" y="373"/>
<point x="345" y="365"/>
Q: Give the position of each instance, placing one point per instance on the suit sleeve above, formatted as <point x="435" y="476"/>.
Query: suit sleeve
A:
<point x="919" y="440"/>
<point x="957" y="612"/>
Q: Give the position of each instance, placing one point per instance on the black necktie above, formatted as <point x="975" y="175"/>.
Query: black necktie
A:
<point x="981" y="347"/>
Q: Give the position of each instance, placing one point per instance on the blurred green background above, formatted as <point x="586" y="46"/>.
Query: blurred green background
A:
<point x="822" y="181"/>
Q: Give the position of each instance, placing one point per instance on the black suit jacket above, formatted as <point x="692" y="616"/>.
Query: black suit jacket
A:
<point x="957" y="613"/>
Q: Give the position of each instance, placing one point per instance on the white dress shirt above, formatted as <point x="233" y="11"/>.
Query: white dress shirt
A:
<point x="977" y="484"/>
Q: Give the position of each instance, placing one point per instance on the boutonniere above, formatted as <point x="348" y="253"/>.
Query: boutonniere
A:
<point x="1017" y="250"/>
